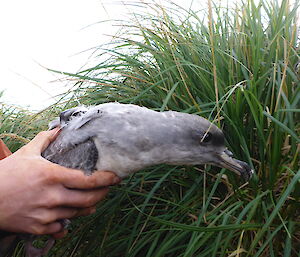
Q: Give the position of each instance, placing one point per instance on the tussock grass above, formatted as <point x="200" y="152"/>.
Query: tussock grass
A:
<point x="237" y="67"/>
<point x="18" y="125"/>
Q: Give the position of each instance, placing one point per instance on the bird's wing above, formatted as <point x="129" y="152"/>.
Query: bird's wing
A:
<point x="82" y="156"/>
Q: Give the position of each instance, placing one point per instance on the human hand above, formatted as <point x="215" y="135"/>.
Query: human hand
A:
<point x="35" y="193"/>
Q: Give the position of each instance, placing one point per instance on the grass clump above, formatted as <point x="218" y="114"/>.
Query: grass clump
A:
<point x="19" y="125"/>
<point x="237" y="67"/>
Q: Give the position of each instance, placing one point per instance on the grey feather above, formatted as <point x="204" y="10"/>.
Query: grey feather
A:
<point x="83" y="156"/>
<point x="127" y="138"/>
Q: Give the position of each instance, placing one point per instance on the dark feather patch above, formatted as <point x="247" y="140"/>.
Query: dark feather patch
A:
<point x="83" y="156"/>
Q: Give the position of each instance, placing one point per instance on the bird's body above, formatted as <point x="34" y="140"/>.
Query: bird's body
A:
<point x="125" y="138"/>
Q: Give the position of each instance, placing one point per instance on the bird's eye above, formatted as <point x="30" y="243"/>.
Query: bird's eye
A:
<point x="207" y="137"/>
<point x="75" y="114"/>
<point x="78" y="113"/>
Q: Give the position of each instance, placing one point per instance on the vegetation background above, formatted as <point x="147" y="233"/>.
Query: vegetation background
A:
<point x="238" y="67"/>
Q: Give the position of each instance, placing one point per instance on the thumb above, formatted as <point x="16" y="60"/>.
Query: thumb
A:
<point x="41" y="141"/>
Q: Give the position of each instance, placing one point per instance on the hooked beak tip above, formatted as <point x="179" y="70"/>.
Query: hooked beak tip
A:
<point x="237" y="166"/>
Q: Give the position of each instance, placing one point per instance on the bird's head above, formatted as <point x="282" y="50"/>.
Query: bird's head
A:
<point x="202" y="142"/>
<point x="66" y="116"/>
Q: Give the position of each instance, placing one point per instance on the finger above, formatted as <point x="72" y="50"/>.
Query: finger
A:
<point x="60" y="234"/>
<point x="53" y="228"/>
<point x="62" y="213"/>
<point x="40" y="142"/>
<point x="46" y="229"/>
<point x="86" y="211"/>
<point x="80" y="212"/>
<point x="77" y="180"/>
<point x="83" y="199"/>
<point x="59" y="213"/>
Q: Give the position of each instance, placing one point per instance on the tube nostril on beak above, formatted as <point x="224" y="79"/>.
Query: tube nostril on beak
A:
<point x="230" y="154"/>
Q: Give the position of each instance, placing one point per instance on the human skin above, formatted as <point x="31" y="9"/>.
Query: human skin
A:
<point x="35" y="193"/>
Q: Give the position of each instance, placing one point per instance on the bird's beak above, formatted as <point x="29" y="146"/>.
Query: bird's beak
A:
<point x="241" y="168"/>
